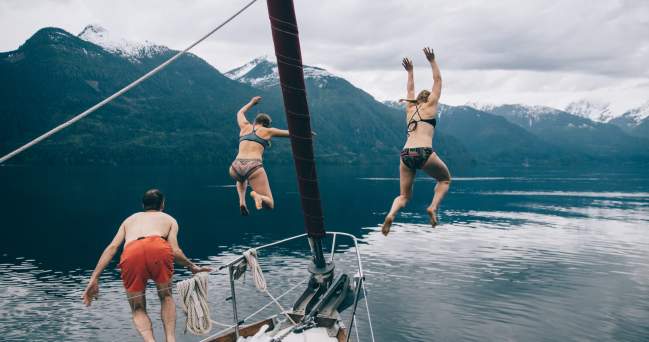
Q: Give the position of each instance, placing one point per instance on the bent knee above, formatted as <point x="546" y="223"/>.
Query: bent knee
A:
<point x="404" y="198"/>
<point x="446" y="179"/>
<point x="137" y="306"/>
<point x="165" y="293"/>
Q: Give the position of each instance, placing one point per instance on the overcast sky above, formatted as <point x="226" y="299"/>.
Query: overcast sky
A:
<point x="534" y="52"/>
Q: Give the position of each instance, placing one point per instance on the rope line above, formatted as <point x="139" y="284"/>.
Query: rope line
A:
<point x="259" y="310"/>
<point x="121" y="91"/>
<point x="287" y="57"/>
<point x="258" y="277"/>
<point x="283" y="21"/>
<point x="294" y="34"/>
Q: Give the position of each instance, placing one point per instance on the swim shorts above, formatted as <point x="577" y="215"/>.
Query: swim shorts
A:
<point x="146" y="258"/>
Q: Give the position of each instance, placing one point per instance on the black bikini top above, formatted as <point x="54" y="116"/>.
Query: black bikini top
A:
<point x="412" y="122"/>
<point x="252" y="136"/>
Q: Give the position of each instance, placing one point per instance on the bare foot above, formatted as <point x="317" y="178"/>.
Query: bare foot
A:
<point x="386" y="225"/>
<point x="433" y="216"/>
<point x="259" y="204"/>
<point x="244" y="210"/>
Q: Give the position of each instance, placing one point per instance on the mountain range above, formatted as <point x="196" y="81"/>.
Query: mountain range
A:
<point x="186" y="113"/>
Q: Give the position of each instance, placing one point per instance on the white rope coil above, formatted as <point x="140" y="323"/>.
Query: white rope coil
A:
<point x="193" y="299"/>
<point x="257" y="275"/>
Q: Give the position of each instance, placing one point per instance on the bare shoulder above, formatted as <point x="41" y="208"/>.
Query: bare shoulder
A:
<point x="131" y="218"/>
<point x="266" y="132"/>
<point x="169" y="218"/>
<point x="430" y="108"/>
<point x="245" y="128"/>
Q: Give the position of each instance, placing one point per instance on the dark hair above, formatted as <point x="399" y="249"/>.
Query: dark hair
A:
<point x="153" y="199"/>
<point x="263" y="119"/>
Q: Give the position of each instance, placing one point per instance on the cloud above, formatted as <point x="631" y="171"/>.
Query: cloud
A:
<point x="503" y="48"/>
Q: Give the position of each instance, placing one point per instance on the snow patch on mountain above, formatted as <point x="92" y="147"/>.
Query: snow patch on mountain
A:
<point x="482" y="106"/>
<point x="593" y="110"/>
<point x="395" y="104"/>
<point x="532" y="114"/>
<point x="639" y="114"/>
<point x="132" y="50"/>
<point x="262" y="72"/>
<point x="517" y="109"/>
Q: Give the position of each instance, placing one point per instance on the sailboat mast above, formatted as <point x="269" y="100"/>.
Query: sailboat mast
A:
<point x="289" y="63"/>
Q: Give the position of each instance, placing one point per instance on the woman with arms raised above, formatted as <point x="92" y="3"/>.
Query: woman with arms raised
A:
<point x="418" y="153"/>
<point x="248" y="168"/>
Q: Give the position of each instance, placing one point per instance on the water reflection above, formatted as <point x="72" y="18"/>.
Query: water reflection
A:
<point x="517" y="258"/>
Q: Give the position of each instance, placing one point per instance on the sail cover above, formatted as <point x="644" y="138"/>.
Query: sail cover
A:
<point x="289" y="63"/>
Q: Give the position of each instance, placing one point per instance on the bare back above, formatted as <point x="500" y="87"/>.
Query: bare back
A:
<point x="250" y="149"/>
<point x="147" y="223"/>
<point x="422" y="136"/>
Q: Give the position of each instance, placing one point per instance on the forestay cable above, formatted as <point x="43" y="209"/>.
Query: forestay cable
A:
<point x="120" y="92"/>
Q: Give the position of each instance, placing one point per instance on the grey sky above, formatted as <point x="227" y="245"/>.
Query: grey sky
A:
<point x="535" y="52"/>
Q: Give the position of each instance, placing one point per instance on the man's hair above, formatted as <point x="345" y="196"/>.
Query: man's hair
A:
<point x="153" y="199"/>
<point x="263" y="119"/>
<point x="423" y="96"/>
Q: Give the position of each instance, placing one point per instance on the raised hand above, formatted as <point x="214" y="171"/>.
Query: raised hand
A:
<point x="430" y="55"/>
<point x="255" y="100"/>
<point x="407" y="64"/>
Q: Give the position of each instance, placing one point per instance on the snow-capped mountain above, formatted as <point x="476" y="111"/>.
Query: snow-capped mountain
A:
<point x="132" y="50"/>
<point x="595" y="111"/>
<point x="482" y="106"/>
<point x="517" y="112"/>
<point x="394" y="104"/>
<point x="262" y="72"/>
<point x="639" y="114"/>
<point x="578" y="134"/>
<point x="635" y="121"/>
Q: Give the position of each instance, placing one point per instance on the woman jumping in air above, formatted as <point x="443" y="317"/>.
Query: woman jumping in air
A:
<point x="254" y="138"/>
<point x="418" y="152"/>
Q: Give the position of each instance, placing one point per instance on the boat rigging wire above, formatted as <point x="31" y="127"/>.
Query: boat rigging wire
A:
<point x="123" y="90"/>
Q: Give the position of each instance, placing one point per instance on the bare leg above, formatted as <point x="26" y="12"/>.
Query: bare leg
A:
<point x="168" y="312"/>
<point x="241" y="191"/>
<point x="436" y="168"/>
<point x="141" y="320"/>
<point x="406" y="178"/>
<point x="261" y="190"/>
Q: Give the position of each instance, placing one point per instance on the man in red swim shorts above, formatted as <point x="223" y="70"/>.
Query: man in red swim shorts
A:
<point x="151" y="245"/>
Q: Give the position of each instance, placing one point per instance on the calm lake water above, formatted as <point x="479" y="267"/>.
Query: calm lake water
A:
<point x="521" y="256"/>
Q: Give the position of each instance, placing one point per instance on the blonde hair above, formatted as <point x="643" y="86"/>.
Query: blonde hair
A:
<point x="423" y="96"/>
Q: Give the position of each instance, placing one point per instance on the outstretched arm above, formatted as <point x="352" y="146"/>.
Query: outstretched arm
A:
<point x="179" y="256"/>
<point x="92" y="289"/>
<point x="241" y="114"/>
<point x="282" y="133"/>
<point x="437" y="76"/>
<point x="410" y="85"/>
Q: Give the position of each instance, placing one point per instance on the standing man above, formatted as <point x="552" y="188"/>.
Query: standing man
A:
<point x="151" y="245"/>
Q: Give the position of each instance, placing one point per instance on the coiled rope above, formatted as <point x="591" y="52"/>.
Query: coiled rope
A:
<point x="121" y="91"/>
<point x="193" y="299"/>
<point x="255" y="269"/>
